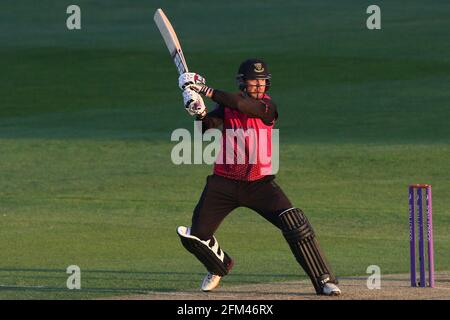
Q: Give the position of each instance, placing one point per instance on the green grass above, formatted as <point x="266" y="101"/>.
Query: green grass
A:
<point x="86" y="118"/>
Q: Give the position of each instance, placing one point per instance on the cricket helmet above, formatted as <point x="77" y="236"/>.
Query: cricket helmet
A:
<point x="253" y="69"/>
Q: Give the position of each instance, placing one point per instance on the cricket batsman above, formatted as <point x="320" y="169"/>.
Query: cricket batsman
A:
<point x="244" y="183"/>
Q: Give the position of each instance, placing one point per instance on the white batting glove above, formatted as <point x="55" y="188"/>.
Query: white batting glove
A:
<point x="190" y="78"/>
<point x="193" y="103"/>
<point x="203" y="89"/>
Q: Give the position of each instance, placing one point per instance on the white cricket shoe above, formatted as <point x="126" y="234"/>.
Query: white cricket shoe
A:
<point x="210" y="282"/>
<point x="330" y="289"/>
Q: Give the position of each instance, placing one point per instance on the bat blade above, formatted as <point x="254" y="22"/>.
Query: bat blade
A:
<point x="171" y="40"/>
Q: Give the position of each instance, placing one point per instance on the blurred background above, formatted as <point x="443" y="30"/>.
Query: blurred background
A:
<point x="86" y="118"/>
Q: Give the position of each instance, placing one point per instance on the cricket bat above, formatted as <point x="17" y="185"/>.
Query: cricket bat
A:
<point x="171" y="40"/>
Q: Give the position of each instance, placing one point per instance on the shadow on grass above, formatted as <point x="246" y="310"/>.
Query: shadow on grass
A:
<point x="121" y="276"/>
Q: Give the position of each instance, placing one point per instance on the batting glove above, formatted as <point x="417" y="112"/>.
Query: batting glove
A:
<point x="193" y="103"/>
<point x="194" y="81"/>
<point x="190" y="78"/>
<point x="203" y="89"/>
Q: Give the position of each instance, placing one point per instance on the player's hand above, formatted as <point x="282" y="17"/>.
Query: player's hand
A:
<point x="196" y="82"/>
<point x="203" y="89"/>
<point x="193" y="103"/>
<point x="190" y="78"/>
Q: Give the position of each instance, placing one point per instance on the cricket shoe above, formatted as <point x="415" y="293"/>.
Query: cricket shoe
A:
<point x="211" y="280"/>
<point x="330" y="289"/>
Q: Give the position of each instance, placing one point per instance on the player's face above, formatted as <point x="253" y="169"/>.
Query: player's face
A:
<point x="256" y="88"/>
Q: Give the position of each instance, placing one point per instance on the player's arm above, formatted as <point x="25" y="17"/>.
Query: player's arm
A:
<point x="213" y="119"/>
<point x="264" y="109"/>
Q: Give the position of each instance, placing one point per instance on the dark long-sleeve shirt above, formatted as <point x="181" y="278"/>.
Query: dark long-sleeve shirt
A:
<point x="264" y="109"/>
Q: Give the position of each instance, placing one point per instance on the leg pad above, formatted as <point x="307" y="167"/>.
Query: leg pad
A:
<point x="299" y="233"/>
<point x="207" y="252"/>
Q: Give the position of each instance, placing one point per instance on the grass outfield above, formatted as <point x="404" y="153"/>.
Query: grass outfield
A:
<point x="86" y="118"/>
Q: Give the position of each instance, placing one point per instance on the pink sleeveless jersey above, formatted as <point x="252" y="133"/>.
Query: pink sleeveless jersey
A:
<point x="246" y="147"/>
